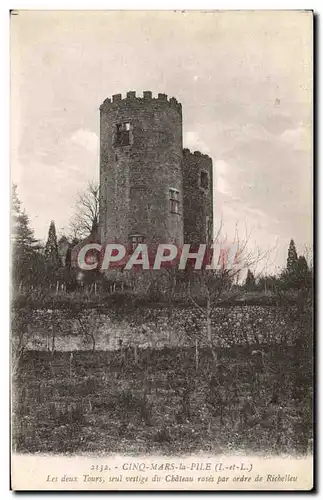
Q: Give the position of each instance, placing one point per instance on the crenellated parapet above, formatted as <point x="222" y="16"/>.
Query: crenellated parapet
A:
<point x="197" y="154"/>
<point x="131" y="99"/>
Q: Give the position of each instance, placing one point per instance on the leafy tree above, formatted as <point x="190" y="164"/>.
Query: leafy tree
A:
<point x="51" y="248"/>
<point x="24" y="241"/>
<point x="292" y="258"/>
<point x="297" y="274"/>
<point x="25" y="248"/>
<point x="304" y="274"/>
<point x="51" y="255"/>
<point x="22" y="236"/>
<point x="297" y="284"/>
<point x="15" y="202"/>
<point x="302" y="267"/>
<point x="250" y="281"/>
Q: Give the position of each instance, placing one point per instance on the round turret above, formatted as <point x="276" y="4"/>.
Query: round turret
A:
<point x="141" y="197"/>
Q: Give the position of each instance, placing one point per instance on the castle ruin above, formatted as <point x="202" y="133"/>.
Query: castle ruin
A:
<point x="151" y="190"/>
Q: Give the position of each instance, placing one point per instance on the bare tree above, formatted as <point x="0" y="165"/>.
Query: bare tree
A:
<point x="215" y="286"/>
<point x="86" y="211"/>
<point x="89" y="327"/>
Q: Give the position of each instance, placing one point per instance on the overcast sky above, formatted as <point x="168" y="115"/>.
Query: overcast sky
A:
<point x="244" y="80"/>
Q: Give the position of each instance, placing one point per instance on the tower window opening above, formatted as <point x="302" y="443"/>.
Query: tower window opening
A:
<point x="204" y="180"/>
<point x="122" y="135"/>
<point x="174" y="201"/>
<point x="135" y="240"/>
<point x="207" y="229"/>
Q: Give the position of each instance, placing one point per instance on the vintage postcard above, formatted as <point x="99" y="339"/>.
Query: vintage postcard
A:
<point x="161" y="235"/>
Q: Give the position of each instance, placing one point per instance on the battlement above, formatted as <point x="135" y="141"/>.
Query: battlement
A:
<point x="187" y="152"/>
<point x="147" y="97"/>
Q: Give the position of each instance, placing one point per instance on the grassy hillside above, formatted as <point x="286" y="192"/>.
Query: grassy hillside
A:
<point x="156" y="401"/>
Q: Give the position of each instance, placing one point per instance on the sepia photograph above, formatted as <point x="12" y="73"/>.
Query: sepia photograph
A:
<point x="161" y="179"/>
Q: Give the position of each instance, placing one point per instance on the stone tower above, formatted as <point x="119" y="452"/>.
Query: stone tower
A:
<point x="198" y="197"/>
<point x="141" y="179"/>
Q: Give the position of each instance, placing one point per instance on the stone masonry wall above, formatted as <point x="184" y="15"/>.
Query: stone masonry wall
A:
<point x="157" y="327"/>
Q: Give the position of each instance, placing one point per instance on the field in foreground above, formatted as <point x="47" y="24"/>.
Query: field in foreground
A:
<point x="156" y="401"/>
